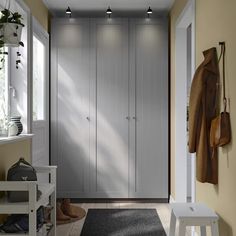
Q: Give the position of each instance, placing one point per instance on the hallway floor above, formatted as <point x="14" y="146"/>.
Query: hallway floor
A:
<point x="75" y="228"/>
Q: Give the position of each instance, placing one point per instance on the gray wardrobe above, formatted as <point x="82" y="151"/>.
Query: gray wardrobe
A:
<point x="109" y="107"/>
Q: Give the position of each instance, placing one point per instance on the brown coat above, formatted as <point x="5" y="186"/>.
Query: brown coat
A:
<point x="202" y="109"/>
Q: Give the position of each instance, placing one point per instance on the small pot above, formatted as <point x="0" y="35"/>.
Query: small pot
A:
<point x="11" y="34"/>
<point x="16" y="120"/>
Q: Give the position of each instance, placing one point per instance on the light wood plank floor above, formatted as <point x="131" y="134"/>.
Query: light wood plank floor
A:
<point x="75" y="228"/>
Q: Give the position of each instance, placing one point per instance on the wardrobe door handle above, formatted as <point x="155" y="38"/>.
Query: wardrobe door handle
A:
<point x="88" y="119"/>
<point x="134" y="117"/>
<point x="127" y="118"/>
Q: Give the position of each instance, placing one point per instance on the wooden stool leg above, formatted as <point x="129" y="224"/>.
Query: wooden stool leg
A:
<point x="182" y="228"/>
<point x="172" y="224"/>
<point x="214" y="229"/>
<point x="203" y="230"/>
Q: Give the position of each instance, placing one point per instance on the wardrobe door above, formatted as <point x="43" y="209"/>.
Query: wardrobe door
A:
<point x="110" y="162"/>
<point x="149" y="109"/>
<point x="70" y="105"/>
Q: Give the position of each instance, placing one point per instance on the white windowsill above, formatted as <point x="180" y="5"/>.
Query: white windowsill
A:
<point x="13" y="139"/>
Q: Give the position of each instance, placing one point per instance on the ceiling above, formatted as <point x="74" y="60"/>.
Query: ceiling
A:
<point x="59" y="6"/>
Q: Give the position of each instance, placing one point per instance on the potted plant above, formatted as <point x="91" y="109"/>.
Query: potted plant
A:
<point x="10" y="33"/>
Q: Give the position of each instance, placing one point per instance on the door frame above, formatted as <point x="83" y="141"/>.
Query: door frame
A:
<point x="40" y="33"/>
<point x="186" y="18"/>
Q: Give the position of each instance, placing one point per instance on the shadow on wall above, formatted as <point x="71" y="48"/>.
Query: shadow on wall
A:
<point x="80" y="168"/>
<point x="225" y="227"/>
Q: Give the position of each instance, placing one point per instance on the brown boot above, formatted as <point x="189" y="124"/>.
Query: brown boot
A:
<point x="68" y="209"/>
<point x="60" y="215"/>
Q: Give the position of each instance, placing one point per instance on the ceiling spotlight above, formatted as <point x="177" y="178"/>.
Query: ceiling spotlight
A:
<point x="68" y="11"/>
<point x="149" y="11"/>
<point x="109" y="11"/>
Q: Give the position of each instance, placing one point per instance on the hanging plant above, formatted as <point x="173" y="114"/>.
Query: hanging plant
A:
<point x="10" y="34"/>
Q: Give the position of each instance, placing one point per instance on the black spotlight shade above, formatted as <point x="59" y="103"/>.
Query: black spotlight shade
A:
<point x="68" y="10"/>
<point x="109" y="11"/>
<point x="149" y="11"/>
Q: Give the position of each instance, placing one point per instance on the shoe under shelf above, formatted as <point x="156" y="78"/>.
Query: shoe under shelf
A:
<point x="27" y="234"/>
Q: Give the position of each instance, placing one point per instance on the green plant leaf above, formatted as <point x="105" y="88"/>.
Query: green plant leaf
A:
<point x="6" y="12"/>
<point x="8" y="16"/>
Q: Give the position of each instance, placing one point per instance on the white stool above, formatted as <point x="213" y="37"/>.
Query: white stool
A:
<point x="193" y="214"/>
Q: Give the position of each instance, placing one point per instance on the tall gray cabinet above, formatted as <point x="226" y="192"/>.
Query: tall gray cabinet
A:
<point x="109" y="107"/>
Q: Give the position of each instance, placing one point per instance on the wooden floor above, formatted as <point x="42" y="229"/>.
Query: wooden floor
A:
<point x="74" y="229"/>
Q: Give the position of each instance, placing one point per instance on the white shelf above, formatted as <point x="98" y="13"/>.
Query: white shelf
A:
<point x="48" y="195"/>
<point x="23" y="207"/>
<point x="26" y="234"/>
<point x="13" y="139"/>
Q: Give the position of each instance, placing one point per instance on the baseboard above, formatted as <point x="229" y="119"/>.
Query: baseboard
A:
<point x="113" y="200"/>
<point x="172" y="200"/>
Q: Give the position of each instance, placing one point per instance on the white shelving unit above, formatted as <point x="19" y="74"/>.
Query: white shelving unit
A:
<point x="48" y="193"/>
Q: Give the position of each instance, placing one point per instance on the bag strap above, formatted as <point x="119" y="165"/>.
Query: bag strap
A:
<point x="23" y="161"/>
<point x="222" y="54"/>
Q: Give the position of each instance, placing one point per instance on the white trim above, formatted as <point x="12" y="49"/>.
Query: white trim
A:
<point x="186" y="18"/>
<point x="42" y="35"/>
<point x="14" y="139"/>
<point x="171" y="200"/>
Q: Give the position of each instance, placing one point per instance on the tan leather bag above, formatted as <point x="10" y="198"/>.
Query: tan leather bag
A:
<point x="220" y="133"/>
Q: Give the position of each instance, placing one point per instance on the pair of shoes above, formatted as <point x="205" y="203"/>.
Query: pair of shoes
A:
<point x="67" y="213"/>
<point x="68" y="209"/>
<point x="60" y="215"/>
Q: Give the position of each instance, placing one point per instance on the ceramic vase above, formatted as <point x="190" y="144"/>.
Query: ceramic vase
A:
<point x="16" y="120"/>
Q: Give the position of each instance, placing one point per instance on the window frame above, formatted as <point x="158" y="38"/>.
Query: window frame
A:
<point x="39" y="38"/>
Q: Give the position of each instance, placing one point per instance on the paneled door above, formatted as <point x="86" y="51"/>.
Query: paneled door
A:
<point x="149" y="109"/>
<point x="71" y="105"/>
<point x="109" y="107"/>
<point x="110" y="161"/>
<point x="40" y="96"/>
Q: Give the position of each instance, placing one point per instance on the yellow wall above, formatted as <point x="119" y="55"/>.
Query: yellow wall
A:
<point x="39" y="11"/>
<point x="10" y="153"/>
<point x="174" y="14"/>
<point x="215" y="21"/>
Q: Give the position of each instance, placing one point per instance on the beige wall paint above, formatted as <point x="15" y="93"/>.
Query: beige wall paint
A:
<point x="39" y="11"/>
<point x="10" y="153"/>
<point x="174" y="14"/>
<point x="215" y="21"/>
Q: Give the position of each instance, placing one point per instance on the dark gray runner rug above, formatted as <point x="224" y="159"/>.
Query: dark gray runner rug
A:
<point x="122" y="222"/>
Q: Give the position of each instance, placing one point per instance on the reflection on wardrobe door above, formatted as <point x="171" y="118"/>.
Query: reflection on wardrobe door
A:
<point x="149" y="104"/>
<point x="110" y="175"/>
<point x="71" y="43"/>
